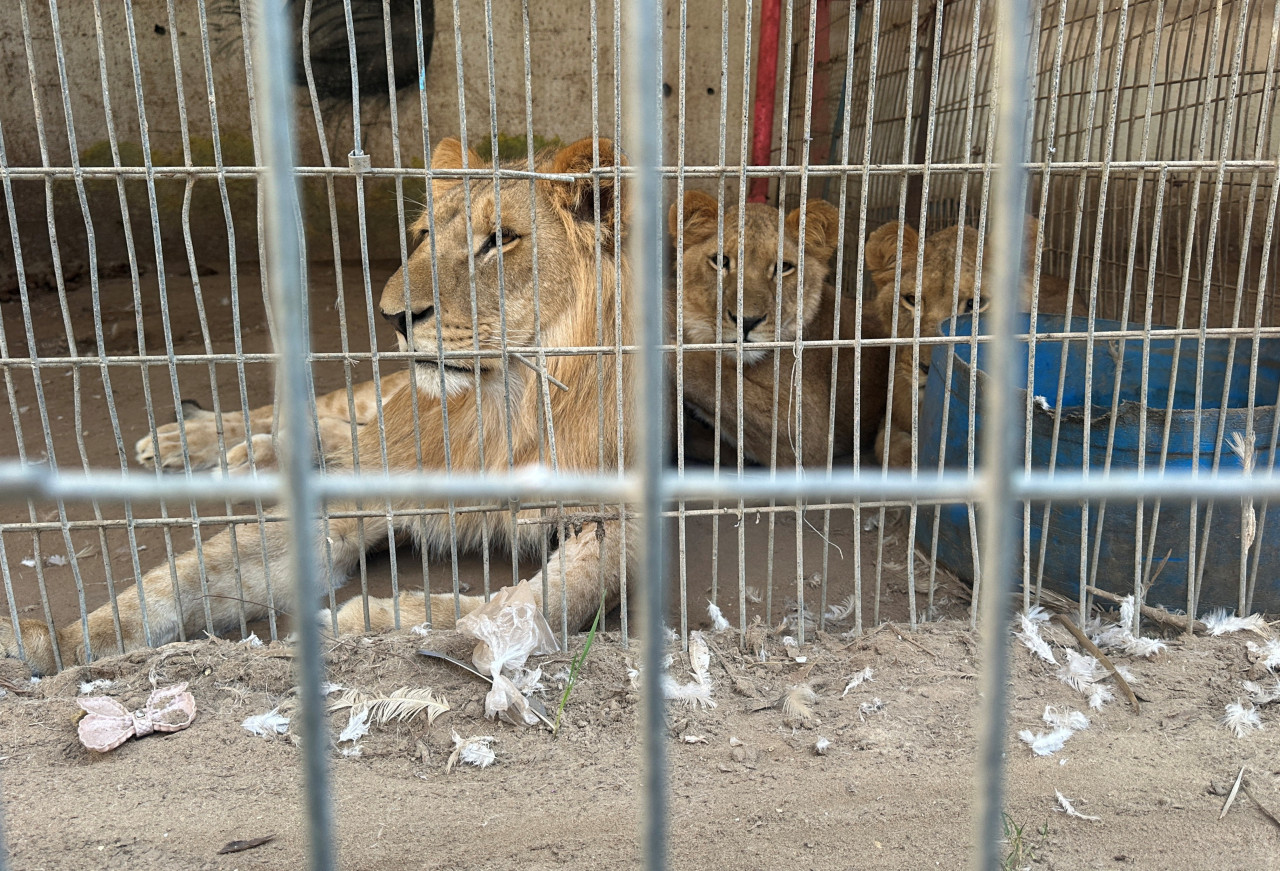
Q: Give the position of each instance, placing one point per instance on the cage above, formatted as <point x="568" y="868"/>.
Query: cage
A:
<point x="848" y="152"/>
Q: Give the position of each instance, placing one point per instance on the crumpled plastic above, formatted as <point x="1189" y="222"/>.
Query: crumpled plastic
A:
<point x="510" y="628"/>
<point x="107" y="724"/>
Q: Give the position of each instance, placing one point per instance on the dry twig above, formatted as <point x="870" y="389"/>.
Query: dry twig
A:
<point x="1097" y="654"/>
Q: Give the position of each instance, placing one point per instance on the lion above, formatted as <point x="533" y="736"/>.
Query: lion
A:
<point x="947" y="288"/>
<point x="507" y="411"/>
<point x="791" y="423"/>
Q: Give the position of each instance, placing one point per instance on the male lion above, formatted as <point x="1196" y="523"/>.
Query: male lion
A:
<point x="495" y="262"/>
<point x="798" y="416"/>
<point x="947" y="288"/>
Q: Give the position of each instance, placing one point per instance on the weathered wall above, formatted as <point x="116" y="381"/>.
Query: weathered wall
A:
<point x="212" y="76"/>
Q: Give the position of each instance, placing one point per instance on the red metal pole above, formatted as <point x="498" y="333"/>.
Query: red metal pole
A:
<point x="766" y="93"/>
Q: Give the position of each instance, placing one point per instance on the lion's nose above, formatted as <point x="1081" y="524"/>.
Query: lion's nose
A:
<point x="747" y="324"/>
<point x="405" y="321"/>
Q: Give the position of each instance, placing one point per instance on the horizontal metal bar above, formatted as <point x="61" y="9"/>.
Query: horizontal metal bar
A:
<point x="1135" y="334"/>
<point x="24" y="173"/>
<point x="36" y="482"/>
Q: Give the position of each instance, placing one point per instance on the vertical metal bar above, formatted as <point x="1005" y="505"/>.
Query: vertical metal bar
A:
<point x="1001" y="441"/>
<point x="643" y="89"/>
<point x="272" y="52"/>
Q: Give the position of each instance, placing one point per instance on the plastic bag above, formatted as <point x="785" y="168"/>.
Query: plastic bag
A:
<point x="510" y="629"/>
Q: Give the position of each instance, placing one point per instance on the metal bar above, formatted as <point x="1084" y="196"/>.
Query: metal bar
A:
<point x="643" y="125"/>
<point x="272" y="53"/>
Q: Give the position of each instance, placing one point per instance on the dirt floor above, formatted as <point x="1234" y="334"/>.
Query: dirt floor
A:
<point x="747" y="789"/>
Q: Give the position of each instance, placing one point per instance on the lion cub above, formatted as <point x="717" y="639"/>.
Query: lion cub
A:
<point x="798" y="421"/>
<point x="942" y="292"/>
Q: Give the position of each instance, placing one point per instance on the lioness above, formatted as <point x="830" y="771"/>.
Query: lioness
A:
<point x="798" y="417"/>
<point x="570" y="281"/>
<point x="945" y="289"/>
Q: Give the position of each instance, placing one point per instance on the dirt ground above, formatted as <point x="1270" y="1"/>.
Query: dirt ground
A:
<point x="747" y="789"/>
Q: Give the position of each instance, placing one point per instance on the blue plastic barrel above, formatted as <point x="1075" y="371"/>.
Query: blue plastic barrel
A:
<point x="1100" y="547"/>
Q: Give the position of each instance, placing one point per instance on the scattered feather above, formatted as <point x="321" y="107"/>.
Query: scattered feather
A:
<point x="352" y="752"/>
<point x="1081" y="671"/>
<point x="669" y="634"/>
<point x="718" y="623"/>
<point x="56" y="559"/>
<point x="837" y="613"/>
<point x="268" y="724"/>
<point x="821" y="746"/>
<point x="1030" y="636"/>
<point x="796" y="703"/>
<point x="1067" y="808"/>
<point x="753" y="595"/>
<point x="1118" y="636"/>
<point x="402" y="705"/>
<point x="1099" y="695"/>
<point x="695" y="739"/>
<point x="696" y="694"/>
<point x="1066" y="719"/>
<point x="793" y="649"/>
<point x="1260" y="695"/>
<point x="1219" y="622"/>
<point x="1268" y="654"/>
<point x="1045" y="744"/>
<point x="476" y="750"/>
<point x="29" y="562"/>
<point x="874" y="706"/>
<point x="357" y="726"/>
<point x="699" y="657"/>
<point x="90" y="686"/>
<point x="1241" y="720"/>
<point x="857" y="680"/>
<point x="252" y="641"/>
<point x="422" y="630"/>
<point x="328" y="689"/>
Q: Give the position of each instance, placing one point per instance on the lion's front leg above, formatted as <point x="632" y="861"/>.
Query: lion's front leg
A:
<point x="584" y="568"/>
<point x="175" y="604"/>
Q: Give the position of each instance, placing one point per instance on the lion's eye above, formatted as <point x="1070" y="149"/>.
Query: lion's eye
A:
<point x="720" y="261"/>
<point x="909" y="300"/>
<point x="788" y="267"/>
<point x="500" y="238"/>
<point x="417" y="235"/>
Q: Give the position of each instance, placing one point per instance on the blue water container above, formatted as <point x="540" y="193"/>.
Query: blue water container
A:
<point x="1099" y="544"/>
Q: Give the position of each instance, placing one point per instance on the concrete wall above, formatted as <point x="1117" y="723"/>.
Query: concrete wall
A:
<point x="171" y="51"/>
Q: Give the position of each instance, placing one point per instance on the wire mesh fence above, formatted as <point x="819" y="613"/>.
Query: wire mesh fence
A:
<point x="187" y="287"/>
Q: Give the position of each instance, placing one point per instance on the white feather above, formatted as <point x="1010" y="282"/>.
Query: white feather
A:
<point x="1030" y="636"/>
<point x="1065" y="719"/>
<point x="694" y="694"/>
<point x="357" y="726"/>
<point x="90" y="686"/>
<point x="268" y="724"/>
<point x="1268" y="653"/>
<point x="1262" y="696"/>
<point x="1045" y="745"/>
<point x="476" y="750"/>
<point x="1241" y="720"/>
<point x="1080" y="672"/>
<point x="718" y="623"/>
<point x="836" y="613"/>
<point x="699" y="657"/>
<point x="1219" y="622"/>
<point x="857" y="680"/>
<point x="1069" y="810"/>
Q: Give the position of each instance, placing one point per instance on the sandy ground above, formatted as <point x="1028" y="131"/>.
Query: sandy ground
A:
<point x="746" y="788"/>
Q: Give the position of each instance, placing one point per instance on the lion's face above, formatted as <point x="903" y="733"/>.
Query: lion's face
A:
<point x="712" y="309"/>
<point x="487" y="250"/>
<point x="944" y="289"/>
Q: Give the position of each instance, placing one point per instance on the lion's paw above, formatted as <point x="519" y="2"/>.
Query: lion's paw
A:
<point x="36" y="649"/>
<point x="200" y="427"/>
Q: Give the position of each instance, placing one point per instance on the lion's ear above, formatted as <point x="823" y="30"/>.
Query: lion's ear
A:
<point x="1032" y="231"/>
<point x="577" y="197"/>
<point x="701" y="211"/>
<point x="821" y="228"/>
<point x="882" y="246"/>
<point x="448" y="155"/>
